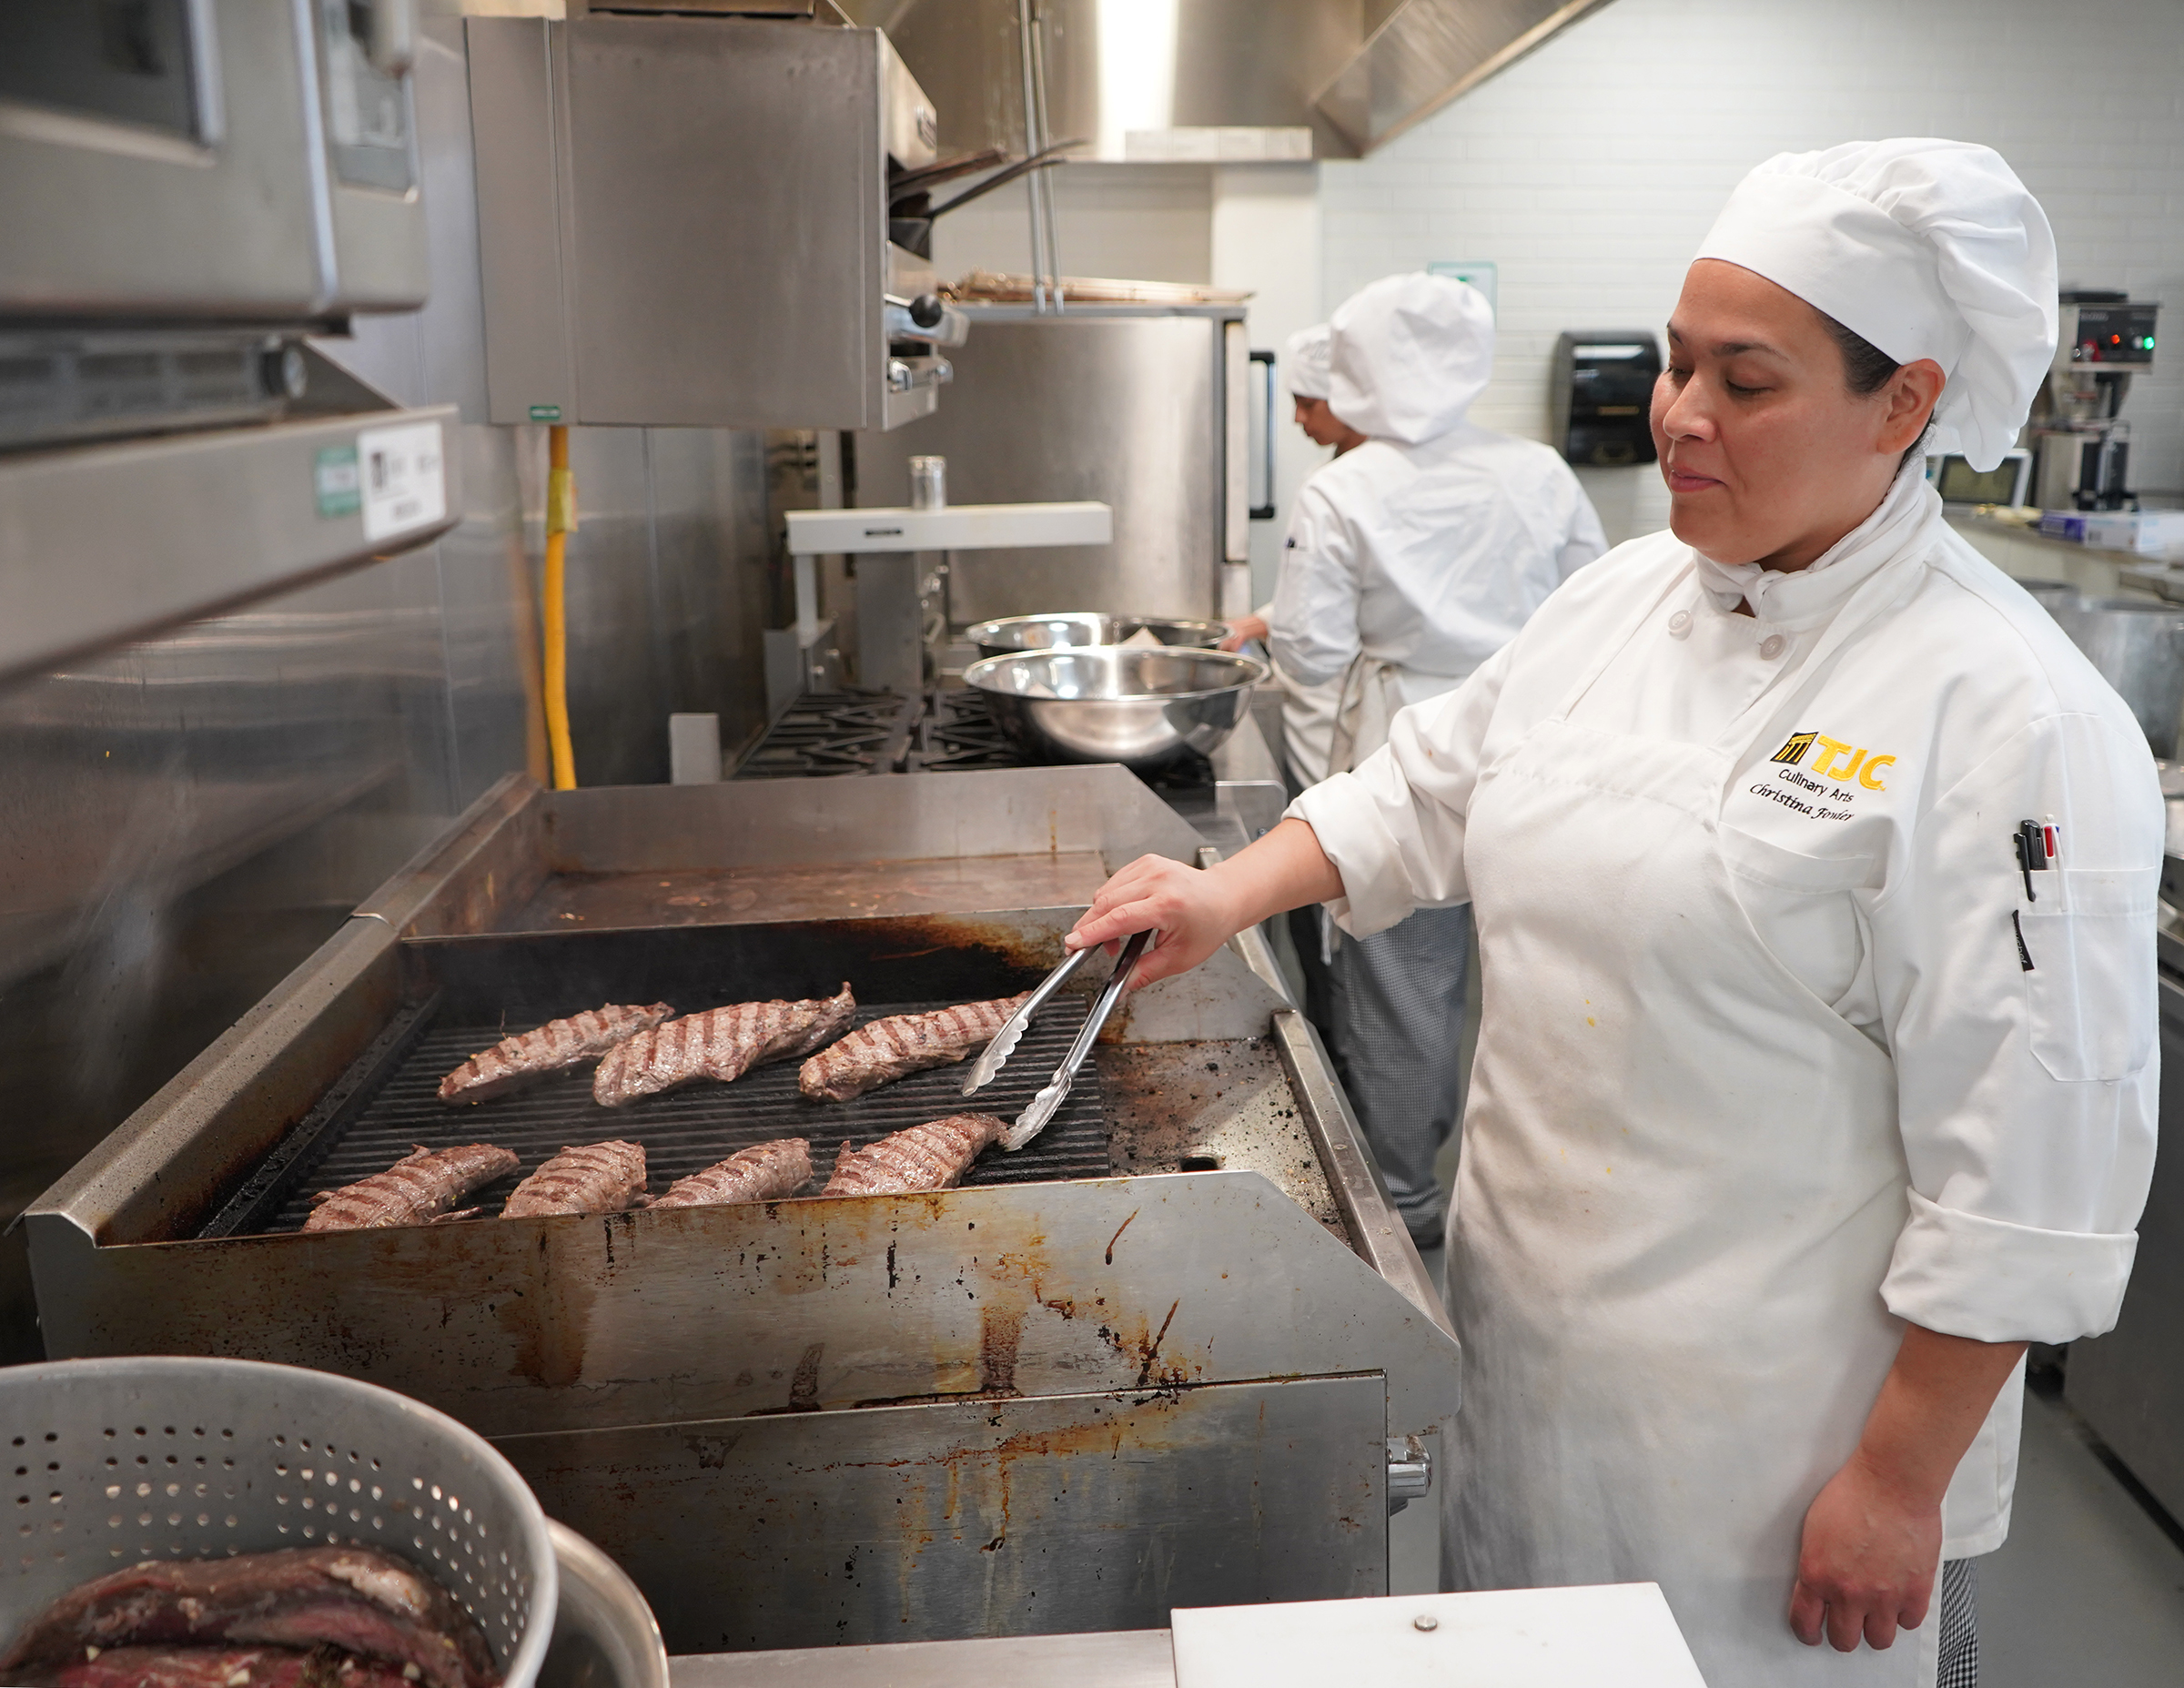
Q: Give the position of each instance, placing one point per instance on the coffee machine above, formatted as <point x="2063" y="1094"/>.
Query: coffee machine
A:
<point x="2082" y="450"/>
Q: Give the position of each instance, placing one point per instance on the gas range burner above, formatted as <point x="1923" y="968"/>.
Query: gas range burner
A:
<point x="958" y="733"/>
<point x="832" y="732"/>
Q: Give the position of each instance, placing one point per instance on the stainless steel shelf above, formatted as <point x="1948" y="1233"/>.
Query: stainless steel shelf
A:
<point x="101" y="545"/>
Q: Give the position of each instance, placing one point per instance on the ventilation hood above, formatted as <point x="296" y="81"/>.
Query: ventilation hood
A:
<point x="1209" y="80"/>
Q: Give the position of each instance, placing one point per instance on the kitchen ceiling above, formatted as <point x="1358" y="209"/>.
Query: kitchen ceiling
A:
<point x="1150" y="79"/>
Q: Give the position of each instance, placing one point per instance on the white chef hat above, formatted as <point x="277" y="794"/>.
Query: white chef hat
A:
<point x="1927" y="248"/>
<point x="1306" y="358"/>
<point x="1410" y="354"/>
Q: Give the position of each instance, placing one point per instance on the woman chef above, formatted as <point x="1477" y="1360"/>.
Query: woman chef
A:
<point x="1814" y="875"/>
<point x="1410" y="560"/>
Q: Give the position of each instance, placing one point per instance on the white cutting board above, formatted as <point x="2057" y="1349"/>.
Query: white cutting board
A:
<point x="1517" y="1638"/>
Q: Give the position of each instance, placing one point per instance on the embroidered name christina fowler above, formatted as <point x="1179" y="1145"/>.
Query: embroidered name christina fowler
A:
<point x="1838" y="771"/>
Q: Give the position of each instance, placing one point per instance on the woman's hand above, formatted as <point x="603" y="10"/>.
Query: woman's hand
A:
<point x="1195" y="911"/>
<point x="1242" y="631"/>
<point x="1873" y="1538"/>
<point x="1868" y="1564"/>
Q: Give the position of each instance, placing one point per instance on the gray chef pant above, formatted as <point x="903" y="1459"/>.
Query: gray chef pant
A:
<point x="1393" y="1017"/>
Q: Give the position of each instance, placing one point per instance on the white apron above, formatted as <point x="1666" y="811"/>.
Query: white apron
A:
<point x="1681" y="1186"/>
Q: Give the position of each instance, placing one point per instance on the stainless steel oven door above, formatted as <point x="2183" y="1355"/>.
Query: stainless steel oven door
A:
<point x="165" y="160"/>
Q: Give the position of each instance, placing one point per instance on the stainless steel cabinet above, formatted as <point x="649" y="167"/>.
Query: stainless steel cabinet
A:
<point x="2129" y="1384"/>
<point x="683" y="222"/>
<point x="239" y="159"/>
<point x="1138" y="407"/>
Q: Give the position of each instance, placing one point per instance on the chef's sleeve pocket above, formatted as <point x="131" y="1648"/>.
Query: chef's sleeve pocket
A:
<point x="2090" y="991"/>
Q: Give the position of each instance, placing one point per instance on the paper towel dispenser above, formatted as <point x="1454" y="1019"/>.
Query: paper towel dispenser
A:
<point x="1603" y="390"/>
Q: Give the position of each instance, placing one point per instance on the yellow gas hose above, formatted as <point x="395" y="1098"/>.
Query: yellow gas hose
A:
<point x="560" y="517"/>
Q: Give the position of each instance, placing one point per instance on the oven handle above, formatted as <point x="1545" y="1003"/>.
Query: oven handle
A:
<point x="1265" y="512"/>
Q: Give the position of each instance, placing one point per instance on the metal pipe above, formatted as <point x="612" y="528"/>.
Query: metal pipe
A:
<point x="1044" y="187"/>
<point x="1034" y="142"/>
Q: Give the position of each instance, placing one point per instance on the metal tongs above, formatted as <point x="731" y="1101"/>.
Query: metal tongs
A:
<point x="1034" y="1118"/>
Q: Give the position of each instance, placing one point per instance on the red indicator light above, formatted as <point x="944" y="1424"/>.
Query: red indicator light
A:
<point x="2115" y="340"/>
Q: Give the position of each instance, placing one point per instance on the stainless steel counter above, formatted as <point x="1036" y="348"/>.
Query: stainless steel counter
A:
<point x="1105" y="1658"/>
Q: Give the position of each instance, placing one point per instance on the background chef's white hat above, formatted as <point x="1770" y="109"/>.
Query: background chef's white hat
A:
<point x="1306" y="357"/>
<point x="1410" y="354"/>
<point x="1927" y="248"/>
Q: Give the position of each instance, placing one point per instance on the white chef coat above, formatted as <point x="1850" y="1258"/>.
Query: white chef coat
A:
<point x="1762" y="1073"/>
<point x="1307" y="718"/>
<point x="1408" y="565"/>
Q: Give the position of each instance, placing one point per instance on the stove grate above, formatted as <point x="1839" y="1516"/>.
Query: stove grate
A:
<point x="831" y="733"/>
<point x="387" y="1103"/>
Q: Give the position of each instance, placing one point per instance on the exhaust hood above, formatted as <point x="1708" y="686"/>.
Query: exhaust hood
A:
<point x="1212" y="81"/>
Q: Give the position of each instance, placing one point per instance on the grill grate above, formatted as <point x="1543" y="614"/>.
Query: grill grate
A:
<point x="388" y="1102"/>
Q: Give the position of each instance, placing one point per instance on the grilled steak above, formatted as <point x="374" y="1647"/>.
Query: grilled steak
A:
<point x="359" y="1599"/>
<point x="519" y="1060"/>
<point x="721" y="1044"/>
<point x="900" y="1045"/>
<point x="213" y="1667"/>
<point x="930" y="1156"/>
<point x="780" y="1168"/>
<point x="421" y="1184"/>
<point x="600" y="1177"/>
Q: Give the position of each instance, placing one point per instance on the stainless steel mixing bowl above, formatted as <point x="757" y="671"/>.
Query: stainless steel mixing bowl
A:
<point x="1077" y="628"/>
<point x="1140" y="707"/>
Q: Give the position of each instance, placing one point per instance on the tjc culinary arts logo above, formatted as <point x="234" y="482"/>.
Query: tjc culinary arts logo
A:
<point x="1836" y="760"/>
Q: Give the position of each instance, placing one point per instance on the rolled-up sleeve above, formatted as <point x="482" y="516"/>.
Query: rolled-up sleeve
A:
<point x="1394" y="825"/>
<point x="2027" y="1093"/>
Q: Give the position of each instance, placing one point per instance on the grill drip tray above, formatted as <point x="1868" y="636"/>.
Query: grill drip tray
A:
<point x="387" y="1103"/>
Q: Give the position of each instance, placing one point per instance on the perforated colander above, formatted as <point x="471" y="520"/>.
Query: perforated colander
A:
<point x="115" y="1461"/>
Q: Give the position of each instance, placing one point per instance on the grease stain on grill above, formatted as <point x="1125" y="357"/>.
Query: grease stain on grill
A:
<point x="387" y="1102"/>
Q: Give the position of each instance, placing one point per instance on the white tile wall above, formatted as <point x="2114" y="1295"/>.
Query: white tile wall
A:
<point x="1590" y="170"/>
<point x="1142" y="222"/>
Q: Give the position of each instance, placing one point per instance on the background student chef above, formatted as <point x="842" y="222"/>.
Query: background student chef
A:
<point x="1410" y="559"/>
<point x="1797" y="1112"/>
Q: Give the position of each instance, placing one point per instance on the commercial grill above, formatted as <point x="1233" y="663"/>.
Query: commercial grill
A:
<point x="1178" y="1351"/>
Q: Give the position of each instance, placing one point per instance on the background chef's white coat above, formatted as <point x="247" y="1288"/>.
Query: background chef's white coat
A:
<point x="1425" y="557"/>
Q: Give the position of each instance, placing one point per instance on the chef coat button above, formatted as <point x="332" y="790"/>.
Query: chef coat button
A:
<point x="1679" y="625"/>
<point x="1772" y="646"/>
